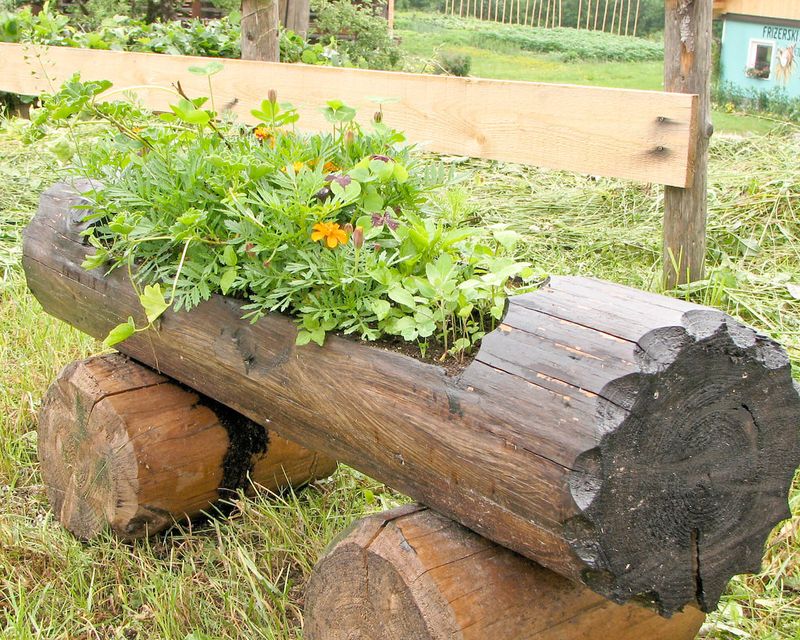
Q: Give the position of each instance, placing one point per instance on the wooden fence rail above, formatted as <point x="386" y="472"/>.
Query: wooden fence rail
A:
<point x="639" y="135"/>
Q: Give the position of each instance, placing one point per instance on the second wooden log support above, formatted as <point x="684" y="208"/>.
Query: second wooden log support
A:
<point x="412" y="574"/>
<point x="125" y="447"/>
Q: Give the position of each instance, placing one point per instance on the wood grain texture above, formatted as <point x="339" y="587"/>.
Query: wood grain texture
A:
<point x="259" y="39"/>
<point x="412" y="574"/>
<point x="640" y="444"/>
<point x="640" y="135"/>
<point x="786" y="9"/>
<point x="294" y="15"/>
<point x="687" y="69"/>
<point x="125" y="448"/>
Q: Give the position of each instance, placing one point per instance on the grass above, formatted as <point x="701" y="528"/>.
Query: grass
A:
<point x="244" y="576"/>
<point x="502" y="57"/>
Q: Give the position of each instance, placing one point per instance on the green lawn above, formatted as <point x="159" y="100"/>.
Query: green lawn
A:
<point x="422" y="36"/>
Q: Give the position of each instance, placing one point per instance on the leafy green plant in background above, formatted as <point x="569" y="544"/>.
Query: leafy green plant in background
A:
<point x="361" y="35"/>
<point x="453" y="63"/>
<point x="212" y="38"/>
<point x="568" y="45"/>
<point x="349" y="230"/>
<point x="774" y="102"/>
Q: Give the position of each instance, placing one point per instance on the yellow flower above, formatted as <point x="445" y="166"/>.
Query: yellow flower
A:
<point x="262" y="133"/>
<point x="297" y="166"/>
<point x="330" y="233"/>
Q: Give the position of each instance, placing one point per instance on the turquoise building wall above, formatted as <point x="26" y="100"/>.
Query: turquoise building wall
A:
<point x="745" y="40"/>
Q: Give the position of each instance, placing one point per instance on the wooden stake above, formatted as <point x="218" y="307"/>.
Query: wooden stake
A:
<point x="539" y="19"/>
<point x="124" y="447"/>
<point x="687" y="69"/>
<point x="596" y="14"/>
<point x="614" y="16"/>
<point x="588" y="13"/>
<point x="503" y="18"/>
<point x="628" y="18"/>
<point x="525" y="14"/>
<point x="547" y="17"/>
<point x="559" y="12"/>
<point x="636" y="18"/>
<point x="580" y="8"/>
<point x="259" y="25"/>
<point x="605" y="15"/>
<point x="412" y="574"/>
<point x="621" y="11"/>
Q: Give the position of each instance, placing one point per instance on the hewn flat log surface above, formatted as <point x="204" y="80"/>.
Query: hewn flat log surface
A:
<point x="412" y="574"/>
<point x="123" y="447"/>
<point x="640" y="444"/>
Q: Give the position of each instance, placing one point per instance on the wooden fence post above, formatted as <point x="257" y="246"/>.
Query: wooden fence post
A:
<point x="687" y="69"/>
<point x="260" y="30"/>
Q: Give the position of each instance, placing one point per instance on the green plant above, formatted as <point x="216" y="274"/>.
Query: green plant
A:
<point x="349" y="231"/>
<point x="565" y="44"/>
<point x="452" y="63"/>
<point x="362" y="36"/>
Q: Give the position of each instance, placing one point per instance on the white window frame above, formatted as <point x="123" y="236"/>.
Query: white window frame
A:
<point x="752" y="52"/>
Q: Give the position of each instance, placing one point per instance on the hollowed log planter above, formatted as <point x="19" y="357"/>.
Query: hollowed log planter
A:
<point x="642" y="445"/>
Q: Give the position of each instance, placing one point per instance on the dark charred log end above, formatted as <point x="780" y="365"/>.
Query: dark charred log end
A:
<point x="696" y="458"/>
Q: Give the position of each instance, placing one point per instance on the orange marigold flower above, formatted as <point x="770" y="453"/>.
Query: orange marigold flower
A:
<point x="330" y="233"/>
<point x="262" y="133"/>
<point x="330" y="167"/>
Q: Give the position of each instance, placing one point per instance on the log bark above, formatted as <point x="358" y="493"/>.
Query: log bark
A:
<point x="125" y="448"/>
<point x="640" y="444"/>
<point x="260" y="39"/>
<point x="687" y="69"/>
<point x="412" y="574"/>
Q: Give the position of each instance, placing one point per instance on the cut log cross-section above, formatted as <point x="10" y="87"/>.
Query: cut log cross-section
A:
<point x="637" y="443"/>
<point x="412" y="574"/>
<point x="123" y="447"/>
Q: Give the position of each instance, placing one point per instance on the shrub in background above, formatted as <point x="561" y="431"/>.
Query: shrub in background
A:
<point x="453" y="63"/>
<point x="362" y="36"/>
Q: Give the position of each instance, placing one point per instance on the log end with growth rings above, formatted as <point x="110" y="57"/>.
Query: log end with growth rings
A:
<point x="695" y="459"/>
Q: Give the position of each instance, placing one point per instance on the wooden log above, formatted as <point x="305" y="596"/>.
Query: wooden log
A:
<point x="687" y="69"/>
<point x="641" y="444"/>
<point x="123" y="447"/>
<point x="412" y="574"/>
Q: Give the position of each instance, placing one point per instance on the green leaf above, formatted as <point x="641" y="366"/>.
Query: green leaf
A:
<point x="400" y="173"/>
<point x="98" y="259"/>
<point x="229" y="256"/>
<point x="507" y="238"/>
<point x="381" y="308"/>
<point x="372" y="200"/>
<point x="152" y="301"/>
<point x="402" y="296"/>
<point x="227" y="279"/>
<point x="303" y="338"/>
<point x="119" y="333"/>
<point x="207" y="69"/>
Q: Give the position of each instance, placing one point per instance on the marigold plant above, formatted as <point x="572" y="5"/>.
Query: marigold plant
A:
<point x="352" y="230"/>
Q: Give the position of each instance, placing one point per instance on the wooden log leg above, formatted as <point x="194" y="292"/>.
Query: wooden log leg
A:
<point x="412" y="574"/>
<point x="125" y="447"/>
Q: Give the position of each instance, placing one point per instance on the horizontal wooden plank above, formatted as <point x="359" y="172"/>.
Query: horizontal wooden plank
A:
<point x="639" y="135"/>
